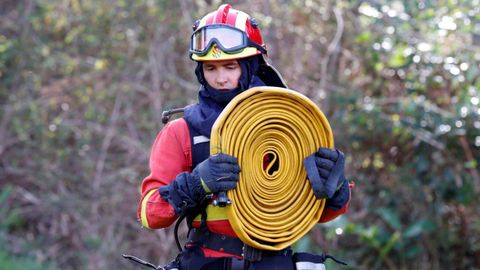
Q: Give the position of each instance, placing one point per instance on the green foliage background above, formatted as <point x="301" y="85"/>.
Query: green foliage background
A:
<point x="83" y="84"/>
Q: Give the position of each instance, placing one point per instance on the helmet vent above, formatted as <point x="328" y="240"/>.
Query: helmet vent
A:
<point x="222" y="14"/>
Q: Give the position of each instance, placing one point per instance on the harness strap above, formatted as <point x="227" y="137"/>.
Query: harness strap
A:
<point x="190" y="214"/>
<point x="215" y="241"/>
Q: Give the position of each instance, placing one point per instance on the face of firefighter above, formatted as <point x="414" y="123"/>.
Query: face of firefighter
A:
<point x="222" y="75"/>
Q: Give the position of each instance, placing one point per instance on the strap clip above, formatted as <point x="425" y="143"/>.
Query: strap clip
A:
<point x="222" y="200"/>
<point x="252" y="254"/>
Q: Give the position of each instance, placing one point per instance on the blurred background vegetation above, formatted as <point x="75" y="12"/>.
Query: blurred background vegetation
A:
<point x="83" y="84"/>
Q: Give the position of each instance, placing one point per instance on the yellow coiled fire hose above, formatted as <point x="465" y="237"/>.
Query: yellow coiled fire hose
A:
<point x="273" y="204"/>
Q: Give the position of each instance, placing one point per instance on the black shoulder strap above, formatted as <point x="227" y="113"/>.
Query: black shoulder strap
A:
<point x="200" y="145"/>
<point x="200" y="151"/>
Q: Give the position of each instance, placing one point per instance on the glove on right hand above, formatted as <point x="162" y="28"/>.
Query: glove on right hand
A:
<point x="218" y="173"/>
<point x="325" y="170"/>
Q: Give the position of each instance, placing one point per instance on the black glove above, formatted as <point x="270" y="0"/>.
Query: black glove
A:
<point x="216" y="173"/>
<point x="325" y="171"/>
<point x="340" y="198"/>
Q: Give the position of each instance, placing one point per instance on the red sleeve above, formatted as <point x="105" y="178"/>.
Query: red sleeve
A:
<point x="170" y="155"/>
<point x="330" y="214"/>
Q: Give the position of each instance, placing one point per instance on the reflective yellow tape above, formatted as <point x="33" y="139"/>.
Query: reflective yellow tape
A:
<point x="274" y="207"/>
<point x="216" y="54"/>
<point x="143" y="212"/>
<point x="214" y="213"/>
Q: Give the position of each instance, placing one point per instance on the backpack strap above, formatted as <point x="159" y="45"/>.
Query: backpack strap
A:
<point x="200" y="151"/>
<point x="200" y="145"/>
<point x="190" y="215"/>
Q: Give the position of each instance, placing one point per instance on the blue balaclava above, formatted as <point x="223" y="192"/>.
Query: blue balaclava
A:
<point x="249" y="67"/>
<point x="212" y="101"/>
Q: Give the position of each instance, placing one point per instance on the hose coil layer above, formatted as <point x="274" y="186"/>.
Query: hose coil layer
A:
<point x="273" y="204"/>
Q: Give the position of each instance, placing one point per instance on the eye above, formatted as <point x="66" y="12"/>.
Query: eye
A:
<point x="232" y="66"/>
<point x="208" y="68"/>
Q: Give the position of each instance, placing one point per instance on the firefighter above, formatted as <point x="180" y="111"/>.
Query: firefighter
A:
<point x="229" y="52"/>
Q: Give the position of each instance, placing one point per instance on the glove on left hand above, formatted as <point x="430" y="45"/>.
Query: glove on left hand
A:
<point x="325" y="171"/>
<point x="216" y="173"/>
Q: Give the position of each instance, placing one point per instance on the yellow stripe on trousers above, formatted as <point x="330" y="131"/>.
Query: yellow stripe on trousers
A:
<point x="271" y="208"/>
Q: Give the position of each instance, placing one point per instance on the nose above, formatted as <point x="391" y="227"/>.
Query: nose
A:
<point x="221" y="79"/>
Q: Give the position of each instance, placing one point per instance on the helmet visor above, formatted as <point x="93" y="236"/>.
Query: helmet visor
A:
<point x="228" y="38"/>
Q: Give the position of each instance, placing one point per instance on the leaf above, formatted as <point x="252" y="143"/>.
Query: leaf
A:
<point x="413" y="251"/>
<point x="390" y="244"/>
<point x="398" y="58"/>
<point x="303" y="244"/>
<point x="472" y="164"/>
<point x="391" y="217"/>
<point x="364" y="37"/>
<point x="6" y="191"/>
<point x="418" y="228"/>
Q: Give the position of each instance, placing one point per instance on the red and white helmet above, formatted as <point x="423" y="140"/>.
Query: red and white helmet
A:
<point x="226" y="34"/>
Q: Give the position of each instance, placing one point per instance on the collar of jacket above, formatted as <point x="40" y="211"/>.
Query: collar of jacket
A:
<point x="202" y="115"/>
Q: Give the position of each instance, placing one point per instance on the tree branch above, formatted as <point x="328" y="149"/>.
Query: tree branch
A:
<point x="332" y="48"/>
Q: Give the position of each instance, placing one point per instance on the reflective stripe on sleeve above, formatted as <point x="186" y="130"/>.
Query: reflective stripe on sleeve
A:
<point x="144" y="208"/>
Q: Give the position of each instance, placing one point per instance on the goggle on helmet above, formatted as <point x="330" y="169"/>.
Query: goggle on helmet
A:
<point x="225" y="34"/>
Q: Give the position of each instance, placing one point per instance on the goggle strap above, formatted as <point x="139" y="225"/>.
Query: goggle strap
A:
<point x="249" y="42"/>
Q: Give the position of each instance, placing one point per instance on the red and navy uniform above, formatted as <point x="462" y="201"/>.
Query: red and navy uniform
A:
<point x="171" y="155"/>
<point x="184" y="143"/>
